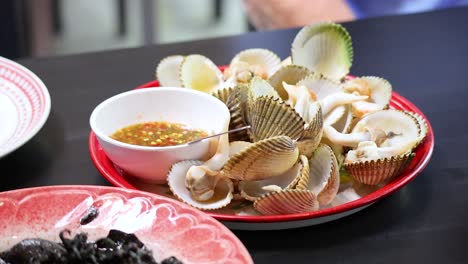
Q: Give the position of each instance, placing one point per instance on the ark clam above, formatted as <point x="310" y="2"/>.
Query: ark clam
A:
<point x="167" y="71"/>
<point x="324" y="178"/>
<point x="250" y="63"/>
<point x="306" y="123"/>
<point x="324" y="48"/>
<point x="251" y="190"/>
<point x="287" y="202"/>
<point x="262" y="160"/>
<point x="290" y="74"/>
<point x="200" y="73"/>
<point x="216" y="192"/>
<point x="378" y="90"/>
<point x="235" y="98"/>
<point x="392" y="135"/>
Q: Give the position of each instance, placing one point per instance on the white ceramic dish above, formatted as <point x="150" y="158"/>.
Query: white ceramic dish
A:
<point x="196" y="109"/>
<point x="24" y="105"/>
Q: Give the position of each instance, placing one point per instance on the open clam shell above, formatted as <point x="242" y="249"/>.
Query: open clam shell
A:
<point x="236" y="101"/>
<point x="262" y="160"/>
<point x="289" y="74"/>
<point x="314" y="128"/>
<point x="378" y="89"/>
<point x="313" y="131"/>
<point x="324" y="48"/>
<point x="401" y="130"/>
<point x="287" y="202"/>
<point x="258" y="88"/>
<point x="373" y="172"/>
<point x="251" y="190"/>
<point x="223" y="192"/>
<point x="267" y="60"/>
<point x="320" y="85"/>
<point x="422" y="123"/>
<point x="200" y="73"/>
<point x="271" y="117"/>
<point x="324" y="177"/>
<point x="167" y="71"/>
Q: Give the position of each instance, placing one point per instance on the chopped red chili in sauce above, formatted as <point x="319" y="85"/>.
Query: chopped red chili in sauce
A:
<point x="158" y="134"/>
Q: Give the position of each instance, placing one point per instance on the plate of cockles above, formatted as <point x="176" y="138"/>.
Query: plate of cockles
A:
<point x="321" y="144"/>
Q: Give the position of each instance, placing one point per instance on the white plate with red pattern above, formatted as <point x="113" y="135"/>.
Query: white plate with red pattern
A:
<point x="24" y="105"/>
<point x="165" y="226"/>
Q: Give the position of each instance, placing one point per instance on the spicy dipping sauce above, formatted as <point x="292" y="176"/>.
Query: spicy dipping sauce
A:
<point x="157" y="134"/>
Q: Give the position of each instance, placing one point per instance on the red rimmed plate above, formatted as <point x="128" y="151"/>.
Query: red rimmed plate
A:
<point x="24" y="105"/>
<point x="167" y="227"/>
<point x="238" y="216"/>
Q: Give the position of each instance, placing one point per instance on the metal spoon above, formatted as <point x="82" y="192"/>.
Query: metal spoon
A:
<point x="219" y="134"/>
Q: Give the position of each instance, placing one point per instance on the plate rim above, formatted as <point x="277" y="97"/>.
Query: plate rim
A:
<point x="45" y="114"/>
<point x="243" y="251"/>
<point x="391" y="187"/>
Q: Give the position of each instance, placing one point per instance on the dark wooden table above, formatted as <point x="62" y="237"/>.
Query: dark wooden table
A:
<point x="425" y="58"/>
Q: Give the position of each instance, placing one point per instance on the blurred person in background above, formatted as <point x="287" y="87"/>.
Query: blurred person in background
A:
<point x="276" y="14"/>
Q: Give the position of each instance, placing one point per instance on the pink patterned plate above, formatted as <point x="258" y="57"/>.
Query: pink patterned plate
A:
<point x="168" y="227"/>
<point x="349" y="200"/>
<point x="24" y="105"/>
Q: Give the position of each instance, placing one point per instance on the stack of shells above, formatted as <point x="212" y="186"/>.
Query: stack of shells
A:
<point x="307" y="122"/>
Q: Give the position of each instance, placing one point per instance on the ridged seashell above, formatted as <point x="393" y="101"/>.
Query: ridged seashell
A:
<point x="373" y="172"/>
<point x="287" y="202"/>
<point x="167" y="71"/>
<point x="200" y="73"/>
<point x="236" y="147"/>
<point x="289" y="74"/>
<point x="320" y="85"/>
<point x="264" y="159"/>
<point x="401" y="129"/>
<point x="263" y="58"/>
<point x="422" y="123"/>
<point x="378" y="89"/>
<point x="236" y="101"/>
<point x="308" y="146"/>
<point x="223" y="94"/>
<point x="313" y="132"/>
<point x="258" y="88"/>
<point x="270" y="117"/>
<point x="324" y="177"/>
<point x="176" y="180"/>
<point x="314" y="128"/>
<point x="304" y="180"/>
<point x="251" y="190"/>
<point x="324" y="48"/>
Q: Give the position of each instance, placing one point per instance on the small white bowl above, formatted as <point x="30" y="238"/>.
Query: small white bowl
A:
<point x="178" y="105"/>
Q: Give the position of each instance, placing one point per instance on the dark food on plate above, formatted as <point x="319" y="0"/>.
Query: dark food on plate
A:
<point x="117" y="247"/>
<point x="158" y="134"/>
<point x="89" y="216"/>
